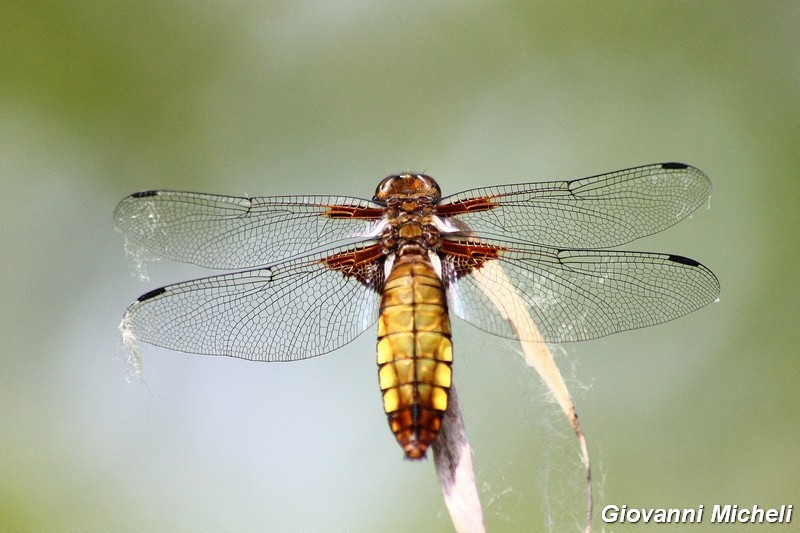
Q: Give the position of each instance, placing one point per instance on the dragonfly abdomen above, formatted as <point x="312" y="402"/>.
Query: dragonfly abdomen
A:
<point x="414" y="353"/>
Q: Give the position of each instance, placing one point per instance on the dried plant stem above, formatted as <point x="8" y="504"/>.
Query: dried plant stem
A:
<point x="502" y="293"/>
<point x="452" y="457"/>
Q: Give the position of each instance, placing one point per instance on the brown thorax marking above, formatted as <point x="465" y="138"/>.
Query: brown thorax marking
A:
<point x="410" y="201"/>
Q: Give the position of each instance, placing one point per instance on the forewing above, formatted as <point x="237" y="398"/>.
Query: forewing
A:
<point x="595" y="212"/>
<point x="227" y="232"/>
<point x="573" y="295"/>
<point x="293" y="310"/>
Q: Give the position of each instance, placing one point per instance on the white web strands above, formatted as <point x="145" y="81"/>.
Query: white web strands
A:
<point x="133" y="352"/>
<point x="452" y="453"/>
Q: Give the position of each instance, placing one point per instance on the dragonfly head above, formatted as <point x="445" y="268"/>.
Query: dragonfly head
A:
<point x="408" y="186"/>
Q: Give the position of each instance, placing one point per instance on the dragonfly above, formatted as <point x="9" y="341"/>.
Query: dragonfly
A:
<point x="311" y="273"/>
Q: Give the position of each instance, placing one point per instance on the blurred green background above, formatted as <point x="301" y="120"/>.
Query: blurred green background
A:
<point x="101" y="99"/>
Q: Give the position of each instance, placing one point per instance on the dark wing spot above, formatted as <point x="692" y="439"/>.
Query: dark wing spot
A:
<point x="151" y="294"/>
<point x="144" y="194"/>
<point x="683" y="260"/>
<point x="677" y="166"/>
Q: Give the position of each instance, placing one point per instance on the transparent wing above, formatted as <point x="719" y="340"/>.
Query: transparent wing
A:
<point x="227" y="232"/>
<point x="575" y="295"/>
<point x="289" y="311"/>
<point x="595" y="212"/>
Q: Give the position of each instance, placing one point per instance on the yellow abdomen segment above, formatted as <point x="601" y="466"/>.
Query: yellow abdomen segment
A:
<point x="414" y="353"/>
